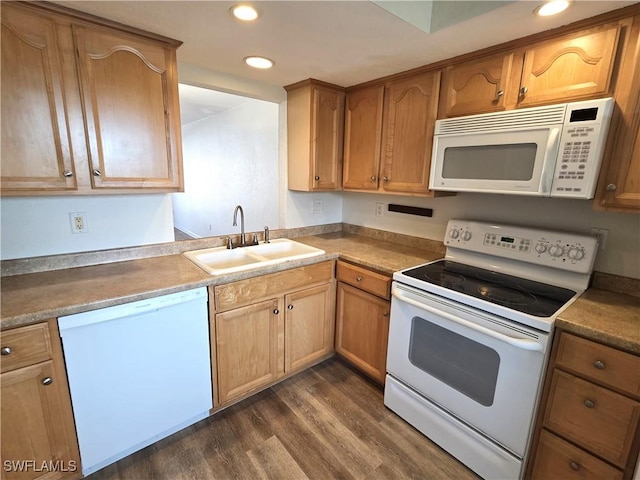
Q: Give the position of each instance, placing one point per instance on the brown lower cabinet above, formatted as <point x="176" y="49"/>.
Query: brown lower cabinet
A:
<point x="268" y="327"/>
<point x="588" y="426"/>
<point x="38" y="433"/>
<point x="362" y="318"/>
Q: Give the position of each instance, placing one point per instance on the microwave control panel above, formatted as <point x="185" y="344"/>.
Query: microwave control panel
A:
<point x="582" y="143"/>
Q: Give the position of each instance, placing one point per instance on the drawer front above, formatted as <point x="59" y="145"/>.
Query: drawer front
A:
<point x="367" y="280"/>
<point x="557" y="459"/>
<point x="620" y="370"/>
<point x="251" y="290"/>
<point x="601" y="421"/>
<point x="25" y="346"/>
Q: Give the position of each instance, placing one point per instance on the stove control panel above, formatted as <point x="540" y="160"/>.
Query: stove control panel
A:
<point x="565" y="250"/>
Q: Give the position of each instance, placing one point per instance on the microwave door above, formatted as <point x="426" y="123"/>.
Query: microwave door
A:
<point x="514" y="162"/>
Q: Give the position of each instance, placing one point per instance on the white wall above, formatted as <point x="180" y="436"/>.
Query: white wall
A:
<point x="230" y="159"/>
<point x="621" y="255"/>
<point x="36" y="226"/>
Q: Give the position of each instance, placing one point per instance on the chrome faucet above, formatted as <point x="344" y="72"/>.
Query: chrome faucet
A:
<point x="243" y="240"/>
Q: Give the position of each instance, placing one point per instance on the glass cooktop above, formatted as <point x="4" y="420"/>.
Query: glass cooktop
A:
<point x="526" y="296"/>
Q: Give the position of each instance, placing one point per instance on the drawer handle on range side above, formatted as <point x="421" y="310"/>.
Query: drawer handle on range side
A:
<point x="599" y="365"/>
<point x="516" y="342"/>
<point x="574" y="466"/>
<point x="589" y="403"/>
<point x="47" y="381"/>
<point x="6" y="351"/>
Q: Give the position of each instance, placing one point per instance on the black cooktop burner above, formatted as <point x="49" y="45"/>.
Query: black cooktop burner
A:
<point x="526" y="296"/>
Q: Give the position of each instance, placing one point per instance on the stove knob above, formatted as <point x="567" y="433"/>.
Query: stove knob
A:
<point x="454" y="234"/>
<point x="466" y="236"/>
<point x="576" y="253"/>
<point x="541" y="248"/>
<point x="556" y="251"/>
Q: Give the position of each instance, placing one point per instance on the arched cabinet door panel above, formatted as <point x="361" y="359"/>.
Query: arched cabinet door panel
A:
<point x="130" y="107"/>
<point x="36" y="153"/>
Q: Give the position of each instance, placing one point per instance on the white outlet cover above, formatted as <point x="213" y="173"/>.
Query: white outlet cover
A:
<point x="82" y="216"/>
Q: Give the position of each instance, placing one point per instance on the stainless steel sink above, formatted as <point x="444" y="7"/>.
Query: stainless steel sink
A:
<point x="220" y="260"/>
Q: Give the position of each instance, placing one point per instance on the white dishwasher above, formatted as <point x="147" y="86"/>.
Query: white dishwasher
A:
<point x="138" y="372"/>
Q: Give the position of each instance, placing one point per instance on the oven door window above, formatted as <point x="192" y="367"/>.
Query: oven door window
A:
<point x="490" y="162"/>
<point x="465" y="365"/>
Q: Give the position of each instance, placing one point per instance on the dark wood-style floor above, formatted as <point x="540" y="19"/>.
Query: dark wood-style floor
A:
<point x="325" y="423"/>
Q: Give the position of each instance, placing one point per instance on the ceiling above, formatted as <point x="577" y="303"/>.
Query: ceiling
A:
<point x="342" y="42"/>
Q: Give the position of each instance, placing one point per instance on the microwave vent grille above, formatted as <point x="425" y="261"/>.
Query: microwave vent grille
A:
<point x="509" y="120"/>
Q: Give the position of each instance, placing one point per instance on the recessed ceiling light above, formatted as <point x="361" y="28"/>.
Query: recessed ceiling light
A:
<point x="244" y="12"/>
<point x="259" y="62"/>
<point x="552" y="7"/>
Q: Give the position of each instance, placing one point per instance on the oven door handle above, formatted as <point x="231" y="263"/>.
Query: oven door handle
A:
<point x="516" y="342"/>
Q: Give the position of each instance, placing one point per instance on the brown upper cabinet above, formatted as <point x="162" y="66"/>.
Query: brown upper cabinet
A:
<point x="315" y="124"/>
<point x="102" y="99"/>
<point x="389" y="135"/>
<point x="576" y="66"/>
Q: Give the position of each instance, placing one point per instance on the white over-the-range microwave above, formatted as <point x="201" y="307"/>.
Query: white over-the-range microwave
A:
<point x="550" y="151"/>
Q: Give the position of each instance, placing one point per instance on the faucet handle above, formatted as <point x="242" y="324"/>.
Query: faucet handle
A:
<point x="229" y="243"/>
<point x="255" y="239"/>
<point x="266" y="235"/>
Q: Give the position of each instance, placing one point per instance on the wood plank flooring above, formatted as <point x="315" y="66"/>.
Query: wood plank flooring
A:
<point x="325" y="423"/>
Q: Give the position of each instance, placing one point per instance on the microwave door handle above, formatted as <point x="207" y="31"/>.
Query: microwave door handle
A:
<point x="516" y="342"/>
<point x="550" y="154"/>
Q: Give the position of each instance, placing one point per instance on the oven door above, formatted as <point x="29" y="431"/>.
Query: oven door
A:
<point x="481" y="368"/>
<point x="520" y="162"/>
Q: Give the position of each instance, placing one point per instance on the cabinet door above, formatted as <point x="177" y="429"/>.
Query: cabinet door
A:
<point x="619" y="184"/>
<point x="130" y="99"/>
<point x="362" y="330"/>
<point x="478" y="86"/>
<point x="574" y="67"/>
<point x="246" y="348"/>
<point x="36" y="153"/>
<point x="308" y="326"/>
<point x="408" y="124"/>
<point x="363" y="138"/>
<point x="327" y="120"/>
<point x="33" y="426"/>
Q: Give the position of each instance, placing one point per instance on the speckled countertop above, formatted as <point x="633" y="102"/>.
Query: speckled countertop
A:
<point x="607" y="317"/>
<point x="601" y="315"/>
<point x="34" y="297"/>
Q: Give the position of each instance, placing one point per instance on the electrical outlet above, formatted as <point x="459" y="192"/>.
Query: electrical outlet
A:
<point x="379" y="209"/>
<point x="601" y="234"/>
<point x="78" y="222"/>
<point x="317" y="206"/>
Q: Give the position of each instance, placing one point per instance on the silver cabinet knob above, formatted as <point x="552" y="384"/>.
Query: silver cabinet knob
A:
<point x="67" y="173"/>
<point x="523" y="91"/>
<point x="574" y="466"/>
<point x="373" y="178"/>
<point x="96" y="172"/>
<point x="385" y="314"/>
<point x="612" y="187"/>
<point x="358" y="278"/>
<point x="599" y="365"/>
<point x="289" y="307"/>
<point x="276" y="311"/>
<point x="499" y="93"/>
<point x="6" y="350"/>
<point x="589" y="403"/>
<point x="385" y="178"/>
<point x="317" y="178"/>
<point x="47" y="381"/>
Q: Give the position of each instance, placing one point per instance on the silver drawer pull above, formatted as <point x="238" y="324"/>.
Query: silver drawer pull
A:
<point x="6" y="351"/>
<point x="47" y="381"/>
<point x="499" y="93"/>
<point x="574" y="466"/>
<point x="358" y="278"/>
<point x="290" y="307"/>
<point x="599" y="365"/>
<point x="589" y="403"/>
<point x="385" y="314"/>
<point x="67" y="173"/>
<point x="276" y="311"/>
<point x="96" y="172"/>
<point x="523" y="91"/>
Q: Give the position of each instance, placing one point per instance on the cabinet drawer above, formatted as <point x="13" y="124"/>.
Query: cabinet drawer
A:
<point x="593" y="417"/>
<point x="251" y="290"/>
<point x="601" y="363"/>
<point x="364" y="279"/>
<point x="25" y="346"/>
<point x="557" y="459"/>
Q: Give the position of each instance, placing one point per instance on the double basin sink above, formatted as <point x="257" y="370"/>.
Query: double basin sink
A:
<point x="221" y="260"/>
